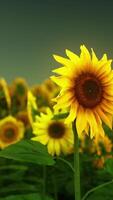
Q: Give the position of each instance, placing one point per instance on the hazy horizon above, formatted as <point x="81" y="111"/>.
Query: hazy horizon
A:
<point x="31" y="31"/>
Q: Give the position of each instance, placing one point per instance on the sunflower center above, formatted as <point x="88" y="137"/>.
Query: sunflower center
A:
<point x="10" y="133"/>
<point x="56" y="130"/>
<point x="88" y="90"/>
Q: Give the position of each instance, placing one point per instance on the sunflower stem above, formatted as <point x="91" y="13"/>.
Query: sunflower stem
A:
<point x="55" y="187"/>
<point x="76" y="164"/>
<point x="44" y="182"/>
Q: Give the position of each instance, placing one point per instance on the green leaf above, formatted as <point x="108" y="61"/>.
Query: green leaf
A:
<point x="28" y="151"/>
<point x="18" y="188"/>
<point x="26" y="197"/>
<point x="60" y="116"/>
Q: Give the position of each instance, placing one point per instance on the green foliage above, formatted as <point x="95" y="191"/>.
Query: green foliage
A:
<point x="28" y="151"/>
<point x="109" y="166"/>
<point x="105" y="193"/>
<point x="26" y="197"/>
<point x="61" y="178"/>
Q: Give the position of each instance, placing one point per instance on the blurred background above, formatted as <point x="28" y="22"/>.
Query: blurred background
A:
<point x="32" y="30"/>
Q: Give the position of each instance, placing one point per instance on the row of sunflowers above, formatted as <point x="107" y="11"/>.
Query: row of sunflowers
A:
<point x="19" y="104"/>
<point x="16" y="101"/>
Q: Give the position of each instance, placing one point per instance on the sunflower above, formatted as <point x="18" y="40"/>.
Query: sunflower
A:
<point x="18" y="92"/>
<point x="54" y="133"/>
<point x="42" y="97"/>
<point x="86" y="90"/>
<point x="4" y="92"/>
<point x="11" y="131"/>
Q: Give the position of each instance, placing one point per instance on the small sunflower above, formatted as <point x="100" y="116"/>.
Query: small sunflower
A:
<point x="42" y="97"/>
<point x="4" y="92"/>
<point x="54" y="133"/>
<point x="86" y="90"/>
<point x="18" y="92"/>
<point x="11" y="131"/>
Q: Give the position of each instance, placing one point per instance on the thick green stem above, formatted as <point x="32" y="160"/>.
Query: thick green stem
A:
<point x="76" y="164"/>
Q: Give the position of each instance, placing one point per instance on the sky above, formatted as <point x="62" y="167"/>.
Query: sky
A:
<point x="31" y="31"/>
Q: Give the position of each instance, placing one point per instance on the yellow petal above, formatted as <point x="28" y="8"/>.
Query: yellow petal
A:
<point x="85" y="55"/>
<point x="108" y="90"/>
<point x="101" y="131"/>
<point x="66" y="97"/>
<point x="32" y="101"/>
<point x="63" y="101"/>
<point x="108" y="97"/>
<point x="63" y="61"/>
<point x="107" y="107"/>
<point x="81" y="121"/>
<point x="51" y="148"/>
<point x="49" y="112"/>
<point x="108" y="79"/>
<point x="60" y="106"/>
<point x="104" y="117"/>
<point x="73" y="112"/>
<point x="104" y="57"/>
<point x="86" y="130"/>
<point x="72" y="56"/>
<point x="104" y="68"/>
<point x="61" y="81"/>
<point x="92" y="132"/>
<point x="92" y="123"/>
<point x="57" y="147"/>
<point x="97" y="117"/>
<point x="94" y="58"/>
<point x="64" y="146"/>
<point x="61" y="71"/>
<point x="42" y="139"/>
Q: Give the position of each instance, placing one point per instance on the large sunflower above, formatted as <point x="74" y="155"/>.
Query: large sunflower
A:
<point x="11" y="131"/>
<point x="86" y="89"/>
<point x="54" y="133"/>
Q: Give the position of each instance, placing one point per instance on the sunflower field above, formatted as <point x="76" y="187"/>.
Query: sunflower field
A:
<point x="56" y="140"/>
